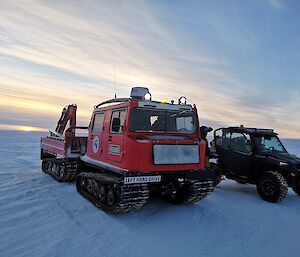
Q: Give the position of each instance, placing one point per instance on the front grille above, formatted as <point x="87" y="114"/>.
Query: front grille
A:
<point x="176" y="154"/>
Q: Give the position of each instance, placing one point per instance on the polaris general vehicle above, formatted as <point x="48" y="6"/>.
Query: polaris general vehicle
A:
<point x="134" y="146"/>
<point x="257" y="156"/>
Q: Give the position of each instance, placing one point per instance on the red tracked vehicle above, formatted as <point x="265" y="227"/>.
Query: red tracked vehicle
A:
<point x="134" y="146"/>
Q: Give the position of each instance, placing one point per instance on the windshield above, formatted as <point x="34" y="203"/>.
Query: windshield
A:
<point x="266" y="144"/>
<point x="149" y="120"/>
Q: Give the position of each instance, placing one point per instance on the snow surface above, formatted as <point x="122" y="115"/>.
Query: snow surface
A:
<point x="40" y="217"/>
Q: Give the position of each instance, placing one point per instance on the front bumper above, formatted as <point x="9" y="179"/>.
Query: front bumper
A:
<point x="293" y="178"/>
<point x="202" y="175"/>
<point x="199" y="175"/>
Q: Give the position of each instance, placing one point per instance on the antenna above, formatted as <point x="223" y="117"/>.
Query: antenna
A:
<point x="115" y="84"/>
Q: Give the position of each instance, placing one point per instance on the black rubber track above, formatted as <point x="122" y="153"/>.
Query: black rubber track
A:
<point x="191" y="191"/>
<point x="128" y="198"/>
<point x="61" y="170"/>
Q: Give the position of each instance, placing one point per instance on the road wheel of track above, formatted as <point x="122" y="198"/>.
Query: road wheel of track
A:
<point x="95" y="188"/>
<point x="82" y="183"/>
<point x="61" y="171"/>
<point x="272" y="187"/>
<point x="102" y="194"/>
<point x="54" y="168"/>
<point x="111" y="198"/>
<point x="89" y="186"/>
<point x="45" y="166"/>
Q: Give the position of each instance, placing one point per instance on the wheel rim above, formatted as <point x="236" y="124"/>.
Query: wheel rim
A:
<point x="111" y="198"/>
<point x="89" y="186"/>
<point x="46" y="165"/>
<point x="82" y="183"/>
<point x="54" y="168"/>
<point x="61" y="171"/>
<point x="269" y="187"/>
<point x="95" y="189"/>
<point x="102" y="193"/>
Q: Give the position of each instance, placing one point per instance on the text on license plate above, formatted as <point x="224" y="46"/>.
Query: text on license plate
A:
<point x="142" y="179"/>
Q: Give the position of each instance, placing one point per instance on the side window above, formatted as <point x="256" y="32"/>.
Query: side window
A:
<point x="98" y="123"/>
<point x="240" y="142"/>
<point x="224" y="140"/>
<point x="119" y="116"/>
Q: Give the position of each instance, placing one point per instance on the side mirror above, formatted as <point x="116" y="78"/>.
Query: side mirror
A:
<point x="116" y="124"/>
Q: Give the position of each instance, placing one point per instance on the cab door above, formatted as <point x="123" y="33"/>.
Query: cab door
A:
<point x="95" y="140"/>
<point x="116" y="135"/>
<point x="241" y="156"/>
<point x="234" y="152"/>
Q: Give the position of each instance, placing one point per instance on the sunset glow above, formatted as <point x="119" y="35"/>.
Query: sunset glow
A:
<point x="27" y="128"/>
<point x="22" y="128"/>
<point x="228" y="60"/>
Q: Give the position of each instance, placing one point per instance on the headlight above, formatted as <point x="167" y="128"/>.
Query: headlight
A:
<point x="283" y="164"/>
<point x="182" y="100"/>
<point x="147" y="97"/>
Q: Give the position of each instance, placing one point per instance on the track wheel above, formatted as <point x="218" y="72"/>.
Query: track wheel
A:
<point x="111" y="198"/>
<point x="82" y="183"/>
<point x="102" y="194"/>
<point x="45" y="166"/>
<point x="61" y="171"/>
<point x="272" y="187"/>
<point x="54" y="168"/>
<point x="89" y="186"/>
<point x="95" y="188"/>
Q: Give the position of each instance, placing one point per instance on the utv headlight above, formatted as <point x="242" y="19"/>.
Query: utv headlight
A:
<point x="283" y="164"/>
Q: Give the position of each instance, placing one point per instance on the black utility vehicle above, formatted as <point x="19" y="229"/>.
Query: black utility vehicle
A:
<point x="257" y="156"/>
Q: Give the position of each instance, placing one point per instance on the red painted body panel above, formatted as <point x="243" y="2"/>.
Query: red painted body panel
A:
<point x="53" y="146"/>
<point x="131" y="151"/>
<point x="71" y="146"/>
<point x="136" y="148"/>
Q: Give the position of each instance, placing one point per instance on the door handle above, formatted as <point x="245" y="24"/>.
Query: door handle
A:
<point x="109" y="138"/>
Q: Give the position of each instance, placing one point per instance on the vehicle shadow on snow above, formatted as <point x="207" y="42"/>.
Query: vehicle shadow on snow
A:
<point x="234" y="188"/>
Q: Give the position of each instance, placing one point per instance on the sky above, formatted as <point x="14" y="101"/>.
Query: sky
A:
<point x="238" y="61"/>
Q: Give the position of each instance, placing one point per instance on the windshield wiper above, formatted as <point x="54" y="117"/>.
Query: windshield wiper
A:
<point x="176" y="114"/>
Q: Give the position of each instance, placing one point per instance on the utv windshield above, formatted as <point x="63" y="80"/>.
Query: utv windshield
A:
<point x="150" y="120"/>
<point x="267" y="144"/>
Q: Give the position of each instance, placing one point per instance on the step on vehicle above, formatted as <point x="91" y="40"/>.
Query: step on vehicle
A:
<point x="133" y="146"/>
<point x="257" y="156"/>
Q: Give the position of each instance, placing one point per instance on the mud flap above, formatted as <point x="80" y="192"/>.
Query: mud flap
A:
<point x="201" y="175"/>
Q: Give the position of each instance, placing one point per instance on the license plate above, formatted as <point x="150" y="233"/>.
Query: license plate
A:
<point x="142" y="179"/>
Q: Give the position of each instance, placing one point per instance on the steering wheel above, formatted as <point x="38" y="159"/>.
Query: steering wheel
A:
<point x="182" y="130"/>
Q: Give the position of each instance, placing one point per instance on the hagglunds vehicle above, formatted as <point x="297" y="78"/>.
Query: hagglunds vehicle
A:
<point x="134" y="146"/>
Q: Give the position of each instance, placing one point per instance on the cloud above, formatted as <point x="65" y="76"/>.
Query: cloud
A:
<point x="57" y="52"/>
<point x="276" y="4"/>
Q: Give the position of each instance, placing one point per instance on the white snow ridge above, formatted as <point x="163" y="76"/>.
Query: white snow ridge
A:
<point x="41" y="217"/>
